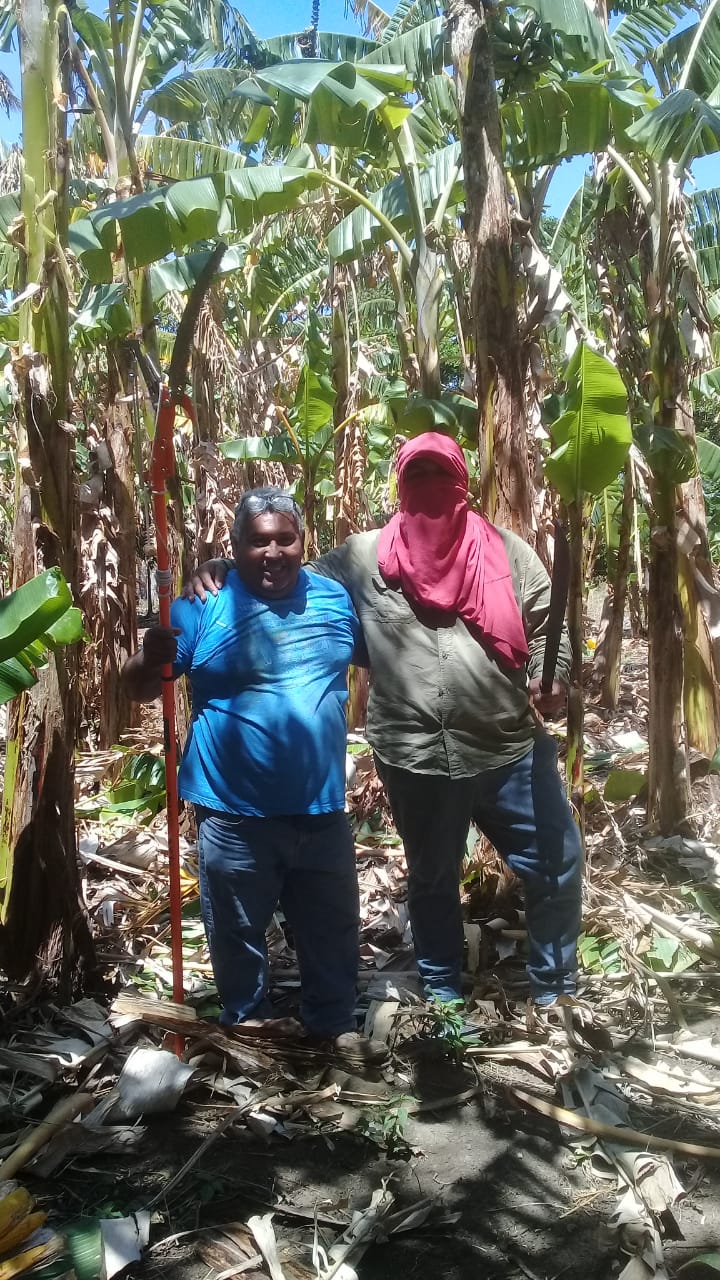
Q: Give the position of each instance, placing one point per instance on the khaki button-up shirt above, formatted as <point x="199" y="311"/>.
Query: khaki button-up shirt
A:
<point x="439" y="701"/>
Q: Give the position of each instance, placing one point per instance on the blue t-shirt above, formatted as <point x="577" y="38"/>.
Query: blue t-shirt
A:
<point x="269" y="687"/>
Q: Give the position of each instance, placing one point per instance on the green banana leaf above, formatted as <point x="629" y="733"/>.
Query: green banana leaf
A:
<point x="357" y="232"/>
<point x="434" y="119"/>
<point x="202" y="95"/>
<point x="642" y="29"/>
<point x="708" y="459"/>
<point x="9" y="254"/>
<point x="670" y="59"/>
<point x="34" y="620"/>
<point x="682" y="127"/>
<point x="406" y="15"/>
<point x="592" y="438"/>
<point x="669" y="455"/>
<point x="623" y="784"/>
<point x="314" y="401"/>
<point x="559" y="119"/>
<point x="290" y="268"/>
<point x="279" y="448"/>
<point x="453" y="414"/>
<point x="185" y="158"/>
<point x="157" y="222"/>
<point x="708" y="384"/>
<point x="342" y="100"/>
<point x="574" y="18"/>
<point x="333" y="46"/>
<point x="178" y="275"/>
<point x="711" y="1262"/>
<point x="8" y="25"/>
<point x="704" y="226"/>
<point x="195" y="96"/>
<point x="362" y="82"/>
<point x="103" y="312"/>
<point x="421" y="50"/>
<point x="311" y="416"/>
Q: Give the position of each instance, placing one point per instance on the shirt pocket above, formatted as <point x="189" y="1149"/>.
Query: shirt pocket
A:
<point x="385" y="604"/>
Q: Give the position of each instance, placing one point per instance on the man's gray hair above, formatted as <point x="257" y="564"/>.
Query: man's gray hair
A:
<point x="256" y="502"/>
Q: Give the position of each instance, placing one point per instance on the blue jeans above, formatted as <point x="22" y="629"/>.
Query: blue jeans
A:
<point x="307" y="864"/>
<point x="523" y="811"/>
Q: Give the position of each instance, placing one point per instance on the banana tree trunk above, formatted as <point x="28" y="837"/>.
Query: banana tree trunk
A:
<point x="608" y="655"/>
<point x="44" y="925"/>
<point x="349" y="459"/>
<point x="576" y="706"/>
<point x="463" y="318"/>
<point x="429" y="278"/>
<point x="683" y="669"/>
<point x="340" y="347"/>
<point x="403" y="328"/>
<point x="114" y="625"/>
<point x="205" y="435"/>
<point x="701" y="692"/>
<point x="668" y="775"/>
<point x="500" y="373"/>
<point x="668" y="772"/>
<point x="119" y="633"/>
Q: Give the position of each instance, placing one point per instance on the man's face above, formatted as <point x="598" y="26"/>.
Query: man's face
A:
<point x="269" y="554"/>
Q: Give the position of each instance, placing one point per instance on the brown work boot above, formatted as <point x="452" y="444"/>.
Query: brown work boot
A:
<point x="351" y="1048"/>
<point x="357" y="1050"/>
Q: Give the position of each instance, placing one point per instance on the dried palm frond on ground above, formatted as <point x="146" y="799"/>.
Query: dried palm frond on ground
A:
<point x="615" y="1094"/>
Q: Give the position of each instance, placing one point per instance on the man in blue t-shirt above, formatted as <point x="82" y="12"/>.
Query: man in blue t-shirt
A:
<point x="264" y="765"/>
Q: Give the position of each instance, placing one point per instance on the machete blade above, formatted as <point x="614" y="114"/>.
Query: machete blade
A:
<point x="558" y="605"/>
<point x="183" y="338"/>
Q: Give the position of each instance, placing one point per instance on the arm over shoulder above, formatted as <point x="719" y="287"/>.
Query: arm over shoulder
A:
<point x="348" y="565"/>
<point x="334" y="564"/>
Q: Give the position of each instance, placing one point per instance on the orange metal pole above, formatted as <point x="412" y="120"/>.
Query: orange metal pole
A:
<point x="162" y="468"/>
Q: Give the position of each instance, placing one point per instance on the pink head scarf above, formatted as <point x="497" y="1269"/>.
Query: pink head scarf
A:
<point x="444" y="556"/>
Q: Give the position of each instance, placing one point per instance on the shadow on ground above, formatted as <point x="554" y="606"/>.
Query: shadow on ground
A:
<point x="519" y="1203"/>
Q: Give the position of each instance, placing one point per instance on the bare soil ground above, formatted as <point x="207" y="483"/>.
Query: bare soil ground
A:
<point x="512" y="1199"/>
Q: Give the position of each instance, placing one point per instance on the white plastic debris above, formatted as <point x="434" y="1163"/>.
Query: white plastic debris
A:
<point x="123" y="1240"/>
<point x="152" y="1080"/>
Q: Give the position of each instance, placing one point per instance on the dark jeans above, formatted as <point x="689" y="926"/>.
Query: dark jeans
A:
<point x="522" y="809"/>
<point x="307" y="864"/>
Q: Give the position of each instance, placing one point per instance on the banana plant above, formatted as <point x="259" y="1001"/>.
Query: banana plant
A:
<point x="305" y="436"/>
<point x="311" y="103"/>
<point x="660" y="113"/>
<point x="117" y="62"/>
<point x="41" y="918"/>
<point x="681" y="125"/>
<point x="339" y="104"/>
<point x="343" y="104"/>
<point x="591" y="440"/>
<point x="35" y="621"/>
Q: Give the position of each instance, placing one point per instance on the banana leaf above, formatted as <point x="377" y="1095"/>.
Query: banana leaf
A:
<point x="593" y="436"/>
<point x="259" y="449"/>
<point x="708" y="459"/>
<point x="355" y="234"/>
<point x="34" y="621"/>
<point x="682" y="127"/>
